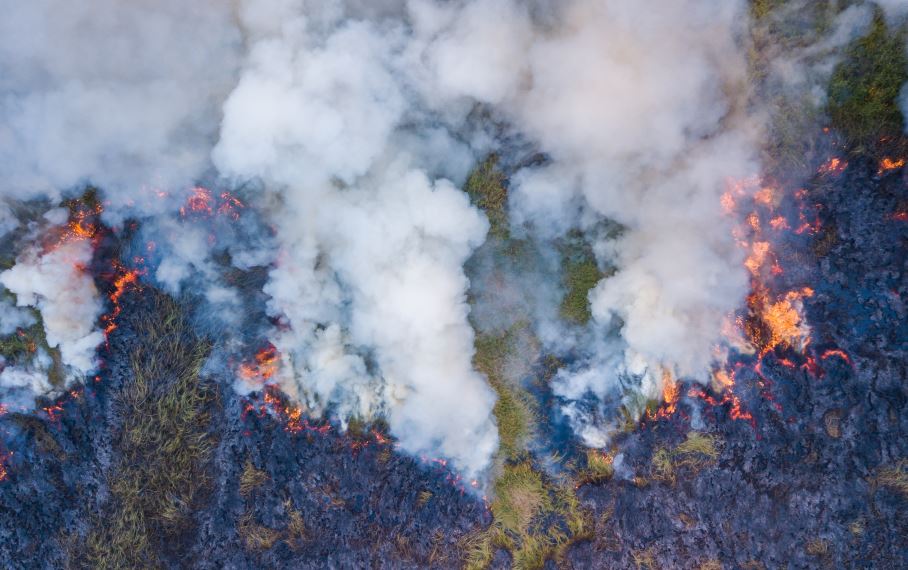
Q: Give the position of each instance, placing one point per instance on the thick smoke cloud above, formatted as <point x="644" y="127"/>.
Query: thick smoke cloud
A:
<point x="370" y="277"/>
<point x="118" y="94"/>
<point x="355" y="123"/>
<point x="55" y="283"/>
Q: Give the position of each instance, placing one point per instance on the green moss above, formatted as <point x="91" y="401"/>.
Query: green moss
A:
<point x="487" y="191"/>
<point x="162" y="445"/>
<point x="864" y="87"/>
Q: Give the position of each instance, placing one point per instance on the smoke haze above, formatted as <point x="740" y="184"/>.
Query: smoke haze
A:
<point x="349" y="128"/>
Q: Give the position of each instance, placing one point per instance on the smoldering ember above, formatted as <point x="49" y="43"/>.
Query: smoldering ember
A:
<point x="454" y="284"/>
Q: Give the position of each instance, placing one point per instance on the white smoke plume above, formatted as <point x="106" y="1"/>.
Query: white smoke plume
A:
<point x="370" y="277"/>
<point x="56" y="284"/>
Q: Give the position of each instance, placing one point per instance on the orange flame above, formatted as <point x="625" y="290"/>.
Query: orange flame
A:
<point x="127" y="278"/>
<point x="833" y="166"/>
<point x="888" y="164"/>
<point x="263" y="368"/>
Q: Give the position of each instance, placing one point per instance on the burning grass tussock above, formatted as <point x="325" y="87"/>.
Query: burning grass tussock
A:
<point x="163" y="444"/>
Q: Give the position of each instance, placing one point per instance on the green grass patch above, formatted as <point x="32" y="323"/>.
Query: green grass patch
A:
<point x="865" y="85"/>
<point x="579" y="273"/>
<point x="514" y="409"/>
<point x="163" y="446"/>
<point x="487" y="191"/>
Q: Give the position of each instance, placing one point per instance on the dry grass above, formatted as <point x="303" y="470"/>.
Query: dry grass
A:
<point x="645" y="559"/>
<point x="162" y="445"/>
<point x="599" y="467"/>
<point x="254" y="535"/>
<point x="894" y="478"/>
<point x="251" y="478"/>
<point x="693" y="454"/>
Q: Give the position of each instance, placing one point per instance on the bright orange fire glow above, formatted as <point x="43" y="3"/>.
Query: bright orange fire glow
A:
<point x="779" y="223"/>
<point x="834" y="166"/>
<point x="888" y="164"/>
<point x="126" y="278"/>
<point x="4" y="459"/>
<point x="263" y="368"/>
<point x="198" y="203"/>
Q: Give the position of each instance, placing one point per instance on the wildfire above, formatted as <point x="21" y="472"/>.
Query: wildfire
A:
<point x="274" y="403"/>
<point x="888" y="164"/>
<point x="204" y="204"/>
<point x="834" y="166"/>
<point x="4" y="461"/>
<point x="198" y="203"/>
<point x="264" y="366"/>
<point x="125" y="279"/>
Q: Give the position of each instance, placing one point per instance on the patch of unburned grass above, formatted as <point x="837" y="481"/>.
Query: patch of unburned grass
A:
<point x="865" y="85"/>
<point x="251" y="478"/>
<point x="599" y="467"/>
<point x="696" y="452"/>
<point x="487" y="191"/>
<point x="162" y="444"/>
<point x="254" y="535"/>
<point x="514" y="410"/>
<point x="580" y="273"/>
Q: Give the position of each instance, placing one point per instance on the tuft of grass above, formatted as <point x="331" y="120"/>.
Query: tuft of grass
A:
<point x="297" y="533"/>
<point x="254" y="535"/>
<point x="424" y="497"/>
<point x="162" y="444"/>
<point x="817" y="548"/>
<point x="699" y="450"/>
<point x="864" y="87"/>
<point x="251" y="478"/>
<point x="894" y="477"/>
<point x="645" y="559"/>
<point x="710" y="565"/>
<point x="599" y="467"/>
<point x="519" y="496"/>
<point x="487" y="191"/>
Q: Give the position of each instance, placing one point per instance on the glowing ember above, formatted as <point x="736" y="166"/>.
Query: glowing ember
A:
<point x="779" y="223"/>
<point x="4" y="460"/>
<point x="198" y="203"/>
<point x="833" y="166"/>
<point x="765" y="197"/>
<point x="888" y="164"/>
<point x="835" y="352"/>
<point x="263" y="367"/>
<point x="125" y="279"/>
